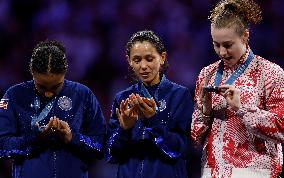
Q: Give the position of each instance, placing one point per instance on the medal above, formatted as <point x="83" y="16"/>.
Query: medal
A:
<point x="161" y="103"/>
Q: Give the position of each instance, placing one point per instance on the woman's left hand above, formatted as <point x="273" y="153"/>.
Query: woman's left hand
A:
<point x="232" y="95"/>
<point x="64" y="131"/>
<point x="60" y="128"/>
<point x="146" y="107"/>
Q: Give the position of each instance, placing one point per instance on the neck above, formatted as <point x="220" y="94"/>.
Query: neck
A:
<point x="241" y="58"/>
<point x="155" y="81"/>
<point x="244" y="54"/>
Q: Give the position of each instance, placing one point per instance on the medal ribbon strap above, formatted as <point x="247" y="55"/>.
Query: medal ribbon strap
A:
<point x="146" y="93"/>
<point x="44" y="112"/>
<point x="239" y="71"/>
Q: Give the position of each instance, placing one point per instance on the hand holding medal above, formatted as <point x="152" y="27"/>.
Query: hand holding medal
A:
<point x="46" y="130"/>
<point x="205" y="94"/>
<point x="146" y="108"/>
<point x="64" y="131"/>
<point x="232" y="95"/>
<point x="57" y="127"/>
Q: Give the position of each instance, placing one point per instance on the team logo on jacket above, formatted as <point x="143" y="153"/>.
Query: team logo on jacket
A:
<point x="4" y="103"/>
<point x="162" y="105"/>
<point x="65" y="103"/>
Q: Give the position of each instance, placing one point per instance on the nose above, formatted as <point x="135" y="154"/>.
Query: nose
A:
<point x="143" y="64"/>
<point x="223" y="51"/>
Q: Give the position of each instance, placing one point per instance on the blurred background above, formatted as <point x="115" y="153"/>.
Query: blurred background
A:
<point x="95" y="33"/>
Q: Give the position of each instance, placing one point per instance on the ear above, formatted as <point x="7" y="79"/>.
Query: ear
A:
<point x="34" y="75"/>
<point x="128" y="60"/>
<point x="246" y="36"/>
<point x="163" y="57"/>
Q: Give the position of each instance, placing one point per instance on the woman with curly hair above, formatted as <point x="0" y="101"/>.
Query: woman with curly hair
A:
<point x="240" y="101"/>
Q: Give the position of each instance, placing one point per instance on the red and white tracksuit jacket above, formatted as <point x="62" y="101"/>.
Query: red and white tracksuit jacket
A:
<point x="246" y="143"/>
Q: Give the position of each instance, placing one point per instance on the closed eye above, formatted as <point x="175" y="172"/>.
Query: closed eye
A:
<point x="227" y="46"/>
<point x="136" y="59"/>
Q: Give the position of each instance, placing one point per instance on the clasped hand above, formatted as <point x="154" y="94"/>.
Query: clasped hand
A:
<point x="58" y="127"/>
<point x="135" y="107"/>
<point x="229" y="92"/>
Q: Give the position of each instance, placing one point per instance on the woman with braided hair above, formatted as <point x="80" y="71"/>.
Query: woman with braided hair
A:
<point x="239" y="111"/>
<point x="51" y="127"/>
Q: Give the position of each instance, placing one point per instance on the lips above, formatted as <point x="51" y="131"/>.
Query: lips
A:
<point x="227" y="58"/>
<point x="144" y="74"/>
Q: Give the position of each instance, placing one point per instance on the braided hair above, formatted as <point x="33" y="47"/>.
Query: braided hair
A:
<point x="48" y="57"/>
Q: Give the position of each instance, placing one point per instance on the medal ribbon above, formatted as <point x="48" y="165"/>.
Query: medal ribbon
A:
<point x="240" y="70"/>
<point x="43" y="113"/>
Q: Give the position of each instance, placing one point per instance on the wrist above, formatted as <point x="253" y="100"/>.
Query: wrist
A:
<point x="127" y="126"/>
<point x="150" y="115"/>
<point x="236" y="108"/>
<point x="206" y="112"/>
<point x="69" y="137"/>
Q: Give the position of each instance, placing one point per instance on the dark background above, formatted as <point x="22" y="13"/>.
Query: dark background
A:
<point x="95" y="33"/>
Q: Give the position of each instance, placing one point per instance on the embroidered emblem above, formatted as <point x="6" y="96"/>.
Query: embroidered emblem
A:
<point x="4" y="103"/>
<point x="65" y="103"/>
<point x="162" y="105"/>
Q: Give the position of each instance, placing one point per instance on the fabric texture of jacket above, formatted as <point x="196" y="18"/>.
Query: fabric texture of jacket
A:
<point x="246" y="143"/>
<point x="155" y="147"/>
<point x="51" y="158"/>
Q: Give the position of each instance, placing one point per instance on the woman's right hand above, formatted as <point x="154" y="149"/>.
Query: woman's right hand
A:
<point x="127" y="115"/>
<point x="48" y="129"/>
<point x="206" y="100"/>
<point x="55" y="126"/>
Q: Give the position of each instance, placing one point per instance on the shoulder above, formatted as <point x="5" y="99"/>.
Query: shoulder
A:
<point x="176" y="88"/>
<point x="210" y="69"/>
<point x="21" y="88"/>
<point x="125" y="93"/>
<point x="268" y="67"/>
<point x="76" y="86"/>
<point x="78" y="91"/>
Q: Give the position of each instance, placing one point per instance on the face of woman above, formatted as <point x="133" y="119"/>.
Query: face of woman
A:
<point x="228" y="44"/>
<point x="146" y="62"/>
<point x="48" y="85"/>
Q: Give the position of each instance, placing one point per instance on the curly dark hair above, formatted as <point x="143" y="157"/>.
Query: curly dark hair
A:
<point x="49" y="57"/>
<point x="154" y="39"/>
<point x="238" y="13"/>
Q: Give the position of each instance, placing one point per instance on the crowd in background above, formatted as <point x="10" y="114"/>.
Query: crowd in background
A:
<point x="95" y="33"/>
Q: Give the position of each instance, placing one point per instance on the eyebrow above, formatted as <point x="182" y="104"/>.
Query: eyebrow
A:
<point x="136" y="56"/>
<point x="146" y="55"/>
<point x="56" y="85"/>
<point x="223" y="42"/>
<point x="149" y="55"/>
